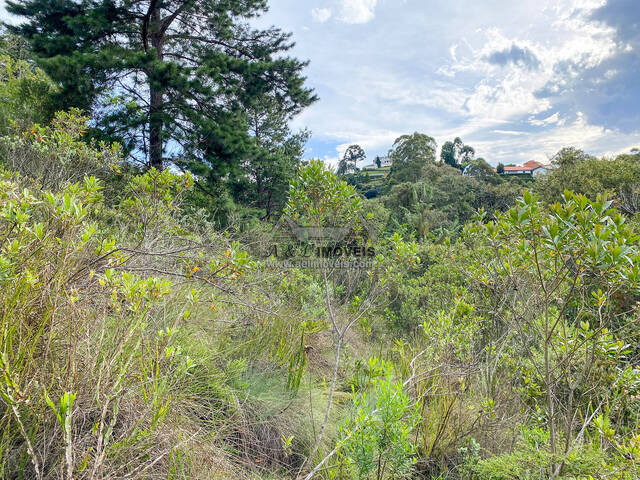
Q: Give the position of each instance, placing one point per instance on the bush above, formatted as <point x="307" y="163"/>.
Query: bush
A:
<point x="56" y="154"/>
<point x="376" y="441"/>
<point x="26" y="91"/>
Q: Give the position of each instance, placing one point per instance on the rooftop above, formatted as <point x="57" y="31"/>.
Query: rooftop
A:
<point x="527" y="166"/>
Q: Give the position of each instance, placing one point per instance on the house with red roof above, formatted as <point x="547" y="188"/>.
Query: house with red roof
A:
<point x="531" y="167"/>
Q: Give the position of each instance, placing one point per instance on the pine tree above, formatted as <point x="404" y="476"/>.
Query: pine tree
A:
<point x="168" y="78"/>
<point x="273" y="160"/>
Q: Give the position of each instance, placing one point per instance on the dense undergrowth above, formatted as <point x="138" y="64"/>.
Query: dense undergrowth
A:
<point x="140" y="341"/>
<point x="144" y="335"/>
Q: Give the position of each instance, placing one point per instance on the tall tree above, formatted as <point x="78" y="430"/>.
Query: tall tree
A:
<point x="410" y="153"/>
<point x="467" y="154"/>
<point x="274" y="159"/>
<point x="456" y="153"/>
<point x="450" y="152"/>
<point x="569" y="157"/>
<point x="479" y="168"/>
<point x="169" y="78"/>
<point x="580" y="172"/>
<point x="350" y="159"/>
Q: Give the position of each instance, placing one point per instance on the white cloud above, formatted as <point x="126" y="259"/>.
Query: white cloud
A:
<point x="550" y="120"/>
<point x="509" y="132"/>
<point x="321" y="15"/>
<point x="5" y="17"/>
<point x="507" y="98"/>
<point x="357" y="11"/>
<point x="502" y="93"/>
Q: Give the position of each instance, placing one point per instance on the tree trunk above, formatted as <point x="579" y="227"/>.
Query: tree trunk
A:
<point x="156" y="101"/>
<point x="155" y="128"/>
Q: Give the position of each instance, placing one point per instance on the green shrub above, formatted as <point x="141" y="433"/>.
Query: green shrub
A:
<point x="56" y="154"/>
<point x="26" y="92"/>
<point x="376" y="441"/>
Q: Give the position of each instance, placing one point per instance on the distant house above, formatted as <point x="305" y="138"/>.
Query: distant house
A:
<point x="531" y="167"/>
<point x="385" y="162"/>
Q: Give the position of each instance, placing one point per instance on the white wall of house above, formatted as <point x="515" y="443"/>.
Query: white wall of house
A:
<point x="539" y="171"/>
<point x="384" y="162"/>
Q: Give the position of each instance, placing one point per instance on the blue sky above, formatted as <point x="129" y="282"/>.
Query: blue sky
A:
<point x="517" y="80"/>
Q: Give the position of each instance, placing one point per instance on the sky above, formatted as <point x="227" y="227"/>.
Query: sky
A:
<point x="517" y="80"/>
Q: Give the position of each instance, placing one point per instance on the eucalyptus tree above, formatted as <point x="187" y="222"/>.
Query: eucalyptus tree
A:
<point x="456" y="153"/>
<point x="410" y="154"/>
<point x="350" y="159"/>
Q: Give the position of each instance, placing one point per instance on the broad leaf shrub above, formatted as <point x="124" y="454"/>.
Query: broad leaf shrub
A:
<point x="558" y="283"/>
<point x="72" y="339"/>
<point x="136" y="344"/>
<point x="26" y="92"/>
<point x="138" y="341"/>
